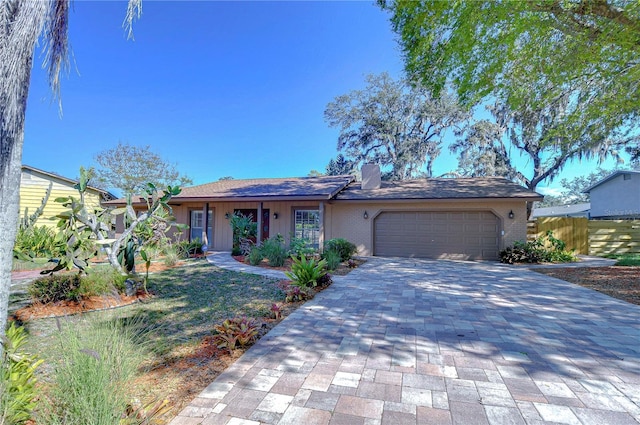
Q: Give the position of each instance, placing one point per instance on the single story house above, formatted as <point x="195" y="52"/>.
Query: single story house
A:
<point x="34" y="186"/>
<point x="463" y="218"/>
<point x="616" y="196"/>
<point x="574" y="210"/>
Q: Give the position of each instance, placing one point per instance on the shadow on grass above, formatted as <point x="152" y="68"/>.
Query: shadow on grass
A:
<point x="188" y="301"/>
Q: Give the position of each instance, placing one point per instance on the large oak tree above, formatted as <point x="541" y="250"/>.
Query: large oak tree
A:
<point x="567" y="71"/>
<point x="394" y="124"/>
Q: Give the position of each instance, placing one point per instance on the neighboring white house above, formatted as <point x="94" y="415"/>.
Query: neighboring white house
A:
<point x="575" y="210"/>
<point x="617" y="196"/>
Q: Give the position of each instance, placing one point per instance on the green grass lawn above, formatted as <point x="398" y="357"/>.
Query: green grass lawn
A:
<point x="628" y="260"/>
<point x="188" y="301"/>
<point x="632" y="260"/>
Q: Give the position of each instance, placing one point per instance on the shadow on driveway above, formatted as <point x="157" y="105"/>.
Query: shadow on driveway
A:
<point x="421" y="341"/>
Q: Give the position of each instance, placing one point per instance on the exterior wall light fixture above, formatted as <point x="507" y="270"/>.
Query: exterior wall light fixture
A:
<point x="511" y="214"/>
<point x="275" y="216"/>
<point x="227" y="215"/>
<point x="365" y="215"/>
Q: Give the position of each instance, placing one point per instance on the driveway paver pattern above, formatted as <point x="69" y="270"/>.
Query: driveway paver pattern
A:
<point x="404" y="341"/>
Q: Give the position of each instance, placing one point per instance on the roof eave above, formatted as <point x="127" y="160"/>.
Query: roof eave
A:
<point x="609" y="177"/>
<point x="502" y="198"/>
<point x="275" y="198"/>
<point x="66" y="179"/>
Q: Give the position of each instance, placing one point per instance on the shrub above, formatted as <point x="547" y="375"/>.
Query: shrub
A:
<point x="237" y="331"/>
<point x="100" y="281"/>
<point x="58" y="287"/>
<point x="255" y="256"/>
<point x="300" y="246"/>
<point x="342" y="246"/>
<point x="171" y="256"/>
<point x="243" y="227"/>
<point x="332" y="258"/>
<point x="94" y="364"/>
<point x="306" y="272"/>
<point x="185" y="249"/>
<point x="540" y="250"/>
<point x="273" y="249"/>
<point x="73" y="287"/>
<point x="17" y="378"/>
<point x="39" y="241"/>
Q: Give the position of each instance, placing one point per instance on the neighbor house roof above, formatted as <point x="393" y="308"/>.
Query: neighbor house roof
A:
<point x="299" y="188"/>
<point x="105" y="194"/>
<point x="610" y="177"/>
<point x="441" y="188"/>
<point x="576" y="210"/>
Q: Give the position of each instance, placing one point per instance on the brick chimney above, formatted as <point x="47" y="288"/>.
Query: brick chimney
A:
<point x="370" y="176"/>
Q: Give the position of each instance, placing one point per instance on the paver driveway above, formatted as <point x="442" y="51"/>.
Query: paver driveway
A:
<point x="402" y="341"/>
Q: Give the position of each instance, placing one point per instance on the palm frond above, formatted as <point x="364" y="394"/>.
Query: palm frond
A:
<point x="56" y="34"/>
<point x="134" y="10"/>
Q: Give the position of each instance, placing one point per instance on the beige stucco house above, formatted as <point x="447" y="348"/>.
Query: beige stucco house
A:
<point x="36" y="183"/>
<point x="469" y="218"/>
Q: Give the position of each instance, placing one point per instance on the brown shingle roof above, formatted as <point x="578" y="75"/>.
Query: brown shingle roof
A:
<point x="331" y="187"/>
<point x="300" y="188"/>
<point x="465" y="188"/>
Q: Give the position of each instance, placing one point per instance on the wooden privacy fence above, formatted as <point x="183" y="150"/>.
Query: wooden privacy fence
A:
<point x="614" y="237"/>
<point x="572" y="230"/>
<point x="593" y="237"/>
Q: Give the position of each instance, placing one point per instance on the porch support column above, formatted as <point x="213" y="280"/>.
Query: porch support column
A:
<point x="205" y="225"/>
<point x="259" y="237"/>
<point x="321" y="235"/>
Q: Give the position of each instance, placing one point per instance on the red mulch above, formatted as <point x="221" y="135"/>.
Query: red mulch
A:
<point x="64" y="308"/>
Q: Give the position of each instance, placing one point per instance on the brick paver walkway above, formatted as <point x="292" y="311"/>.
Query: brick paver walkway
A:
<point x="438" y="342"/>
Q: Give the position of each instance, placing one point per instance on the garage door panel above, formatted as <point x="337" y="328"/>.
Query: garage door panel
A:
<point x="437" y="234"/>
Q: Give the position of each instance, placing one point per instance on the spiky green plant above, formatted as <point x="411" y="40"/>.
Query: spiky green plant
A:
<point x="306" y="272"/>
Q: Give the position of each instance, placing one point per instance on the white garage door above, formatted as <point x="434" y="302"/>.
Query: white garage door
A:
<point x="463" y="235"/>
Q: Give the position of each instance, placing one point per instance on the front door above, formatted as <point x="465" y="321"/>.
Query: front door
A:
<point x="253" y="213"/>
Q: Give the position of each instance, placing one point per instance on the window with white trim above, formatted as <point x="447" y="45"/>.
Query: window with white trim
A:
<point x="307" y="226"/>
<point x="197" y="224"/>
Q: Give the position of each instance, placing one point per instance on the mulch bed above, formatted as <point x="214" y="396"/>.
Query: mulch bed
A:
<point x="342" y="270"/>
<point x="65" y="308"/>
<point x="192" y="368"/>
<point x="96" y="303"/>
<point x="183" y="372"/>
<point x="618" y="282"/>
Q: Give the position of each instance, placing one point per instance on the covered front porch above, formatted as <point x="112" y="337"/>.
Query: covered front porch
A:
<point x="210" y="221"/>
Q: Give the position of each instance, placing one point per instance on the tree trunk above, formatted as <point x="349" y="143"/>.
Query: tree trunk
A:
<point x="21" y="22"/>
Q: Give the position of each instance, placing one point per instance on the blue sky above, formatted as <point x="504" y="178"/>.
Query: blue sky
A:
<point x="219" y="88"/>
